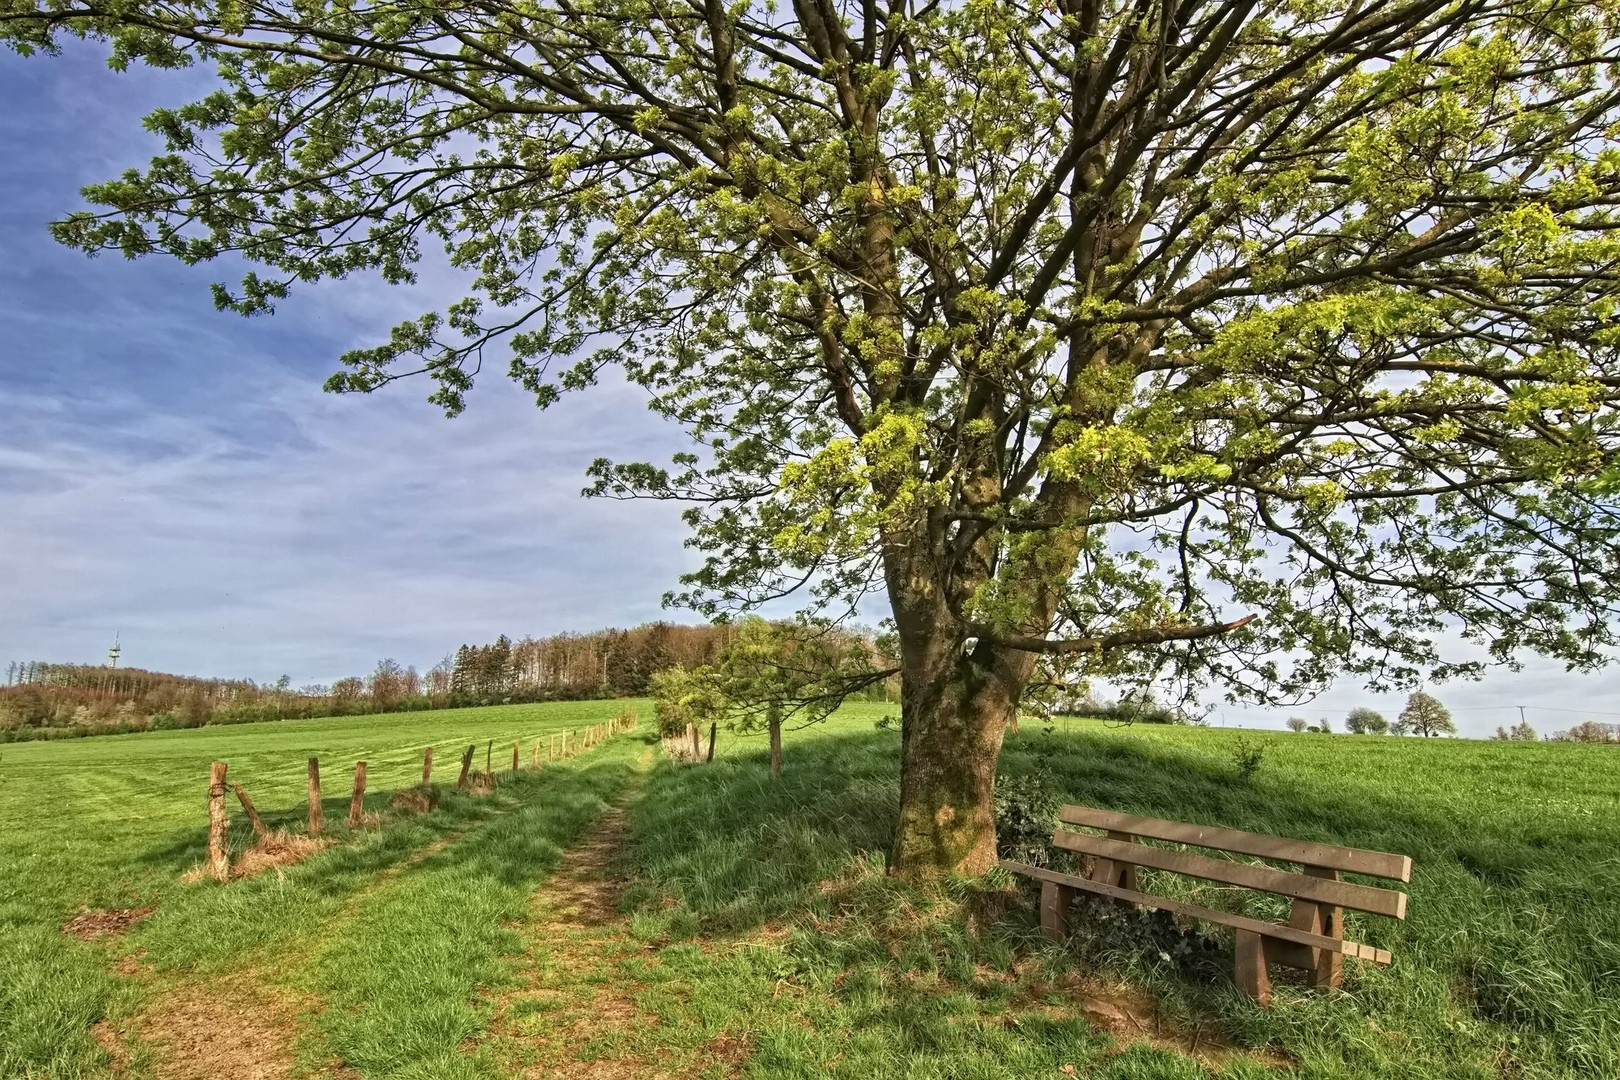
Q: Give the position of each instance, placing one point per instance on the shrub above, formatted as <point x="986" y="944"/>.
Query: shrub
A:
<point x="1026" y="811"/>
<point x="1247" y="757"/>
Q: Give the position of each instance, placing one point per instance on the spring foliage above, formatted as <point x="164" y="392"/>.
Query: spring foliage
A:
<point x="1130" y="314"/>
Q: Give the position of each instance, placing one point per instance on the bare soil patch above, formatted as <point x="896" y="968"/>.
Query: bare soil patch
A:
<point x="90" y="925"/>
<point x="1132" y="1017"/>
<point x="230" y="1027"/>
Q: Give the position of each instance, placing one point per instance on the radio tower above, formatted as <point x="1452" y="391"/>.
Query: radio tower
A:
<point x="112" y="653"/>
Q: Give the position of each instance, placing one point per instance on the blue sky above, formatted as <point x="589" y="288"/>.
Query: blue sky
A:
<point x="175" y="475"/>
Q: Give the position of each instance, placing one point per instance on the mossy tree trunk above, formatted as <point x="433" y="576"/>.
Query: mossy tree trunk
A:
<point x="957" y="697"/>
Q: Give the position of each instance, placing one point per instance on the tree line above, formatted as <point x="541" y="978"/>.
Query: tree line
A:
<point x="1425" y="716"/>
<point x="51" y="700"/>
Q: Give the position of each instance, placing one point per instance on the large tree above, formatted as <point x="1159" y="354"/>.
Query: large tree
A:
<point x="1080" y="327"/>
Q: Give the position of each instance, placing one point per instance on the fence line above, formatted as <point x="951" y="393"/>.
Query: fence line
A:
<point x="560" y="746"/>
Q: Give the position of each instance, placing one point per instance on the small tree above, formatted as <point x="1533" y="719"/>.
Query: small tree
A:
<point x="1425" y="716"/>
<point x="1520" y="732"/>
<point x="349" y="688"/>
<point x="684" y="697"/>
<point x="774" y="670"/>
<point x="1296" y="724"/>
<point x="1364" y="721"/>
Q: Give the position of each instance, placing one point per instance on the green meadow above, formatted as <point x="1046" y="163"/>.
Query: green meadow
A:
<point x="625" y="915"/>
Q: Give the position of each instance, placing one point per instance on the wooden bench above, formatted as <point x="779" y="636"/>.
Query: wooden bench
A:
<point x="1312" y="939"/>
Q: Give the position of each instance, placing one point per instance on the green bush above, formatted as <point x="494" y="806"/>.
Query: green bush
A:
<point x="1027" y="806"/>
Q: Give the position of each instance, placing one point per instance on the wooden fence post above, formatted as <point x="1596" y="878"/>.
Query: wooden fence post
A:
<point x="466" y="767"/>
<point x="712" y="726"/>
<point x="357" y="801"/>
<point x="427" y="766"/>
<point x="773" y="721"/>
<point x="537" y="753"/>
<point x="697" y="746"/>
<point x="219" y="856"/>
<point x="514" y="758"/>
<point x="489" y="758"/>
<point x="253" y="815"/>
<point x="317" y="820"/>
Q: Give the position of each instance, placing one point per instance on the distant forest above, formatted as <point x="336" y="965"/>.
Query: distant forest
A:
<point x="42" y="700"/>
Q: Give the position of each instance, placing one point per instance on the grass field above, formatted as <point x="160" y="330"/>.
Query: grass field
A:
<point x="754" y="932"/>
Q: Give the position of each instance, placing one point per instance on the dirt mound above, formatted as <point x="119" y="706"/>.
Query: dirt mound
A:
<point x="89" y="925"/>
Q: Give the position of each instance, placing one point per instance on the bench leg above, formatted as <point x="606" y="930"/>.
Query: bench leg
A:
<point x="1122" y="874"/>
<point x="1252" y="977"/>
<point x="1329" y="970"/>
<point x="1055" y="910"/>
<point x="1326" y="968"/>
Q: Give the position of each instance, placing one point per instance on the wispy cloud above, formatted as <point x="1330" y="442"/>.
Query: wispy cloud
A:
<point x="176" y="475"/>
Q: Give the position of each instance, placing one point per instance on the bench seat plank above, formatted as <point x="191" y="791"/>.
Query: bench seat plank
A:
<point x="1307" y="853"/>
<point x="1283" y="882"/>
<point x="1225" y="918"/>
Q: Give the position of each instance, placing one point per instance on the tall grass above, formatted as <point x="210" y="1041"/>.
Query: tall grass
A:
<point x="1509" y="963"/>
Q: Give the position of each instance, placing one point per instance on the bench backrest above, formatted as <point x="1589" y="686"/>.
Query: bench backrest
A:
<point x="1322" y="862"/>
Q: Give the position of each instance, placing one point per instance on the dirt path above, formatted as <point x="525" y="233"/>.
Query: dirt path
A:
<point x="566" y="1022"/>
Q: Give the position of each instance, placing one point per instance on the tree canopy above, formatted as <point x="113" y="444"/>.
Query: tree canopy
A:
<point x="1087" y="328"/>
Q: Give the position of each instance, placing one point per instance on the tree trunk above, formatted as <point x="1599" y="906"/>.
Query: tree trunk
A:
<point x="957" y="697"/>
<point x="952" y="724"/>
